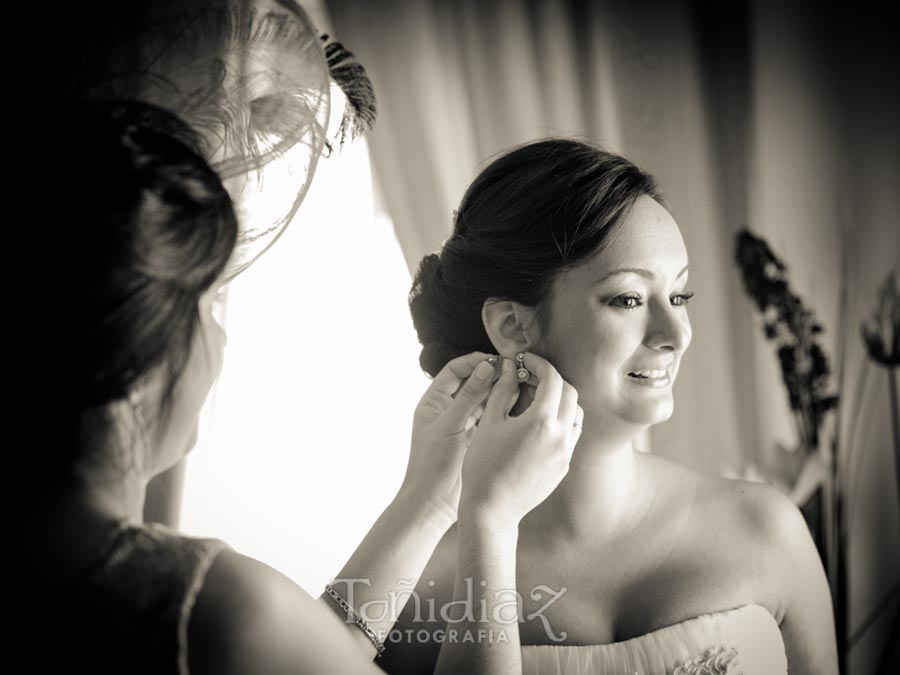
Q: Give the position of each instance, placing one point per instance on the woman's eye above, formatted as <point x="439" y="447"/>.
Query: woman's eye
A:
<point x="626" y="301"/>
<point x="635" y="301"/>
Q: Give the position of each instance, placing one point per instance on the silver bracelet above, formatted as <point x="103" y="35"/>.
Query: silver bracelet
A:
<point x="356" y="618"/>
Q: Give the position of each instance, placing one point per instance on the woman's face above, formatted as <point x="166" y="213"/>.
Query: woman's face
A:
<point x="616" y="326"/>
<point x="194" y="385"/>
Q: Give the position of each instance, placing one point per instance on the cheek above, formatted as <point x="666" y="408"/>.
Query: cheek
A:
<point x="585" y="349"/>
<point x="205" y="362"/>
<point x="213" y="352"/>
<point x="686" y="337"/>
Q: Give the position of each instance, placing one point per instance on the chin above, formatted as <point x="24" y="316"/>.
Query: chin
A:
<point x="663" y="415"/>
<point x="663" y="410"/>
<point x="647" y="414"/>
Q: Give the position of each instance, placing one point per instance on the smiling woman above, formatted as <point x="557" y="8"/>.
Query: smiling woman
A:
<point x="620" y="340"/>
<point x="567" y="251"/>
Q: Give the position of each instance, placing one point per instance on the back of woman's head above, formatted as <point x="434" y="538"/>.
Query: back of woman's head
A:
<point x="536" y="211"/>
<point x="136" y="227"/>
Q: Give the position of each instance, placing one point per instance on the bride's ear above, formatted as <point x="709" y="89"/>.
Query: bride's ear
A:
<point x="512" y="327"/>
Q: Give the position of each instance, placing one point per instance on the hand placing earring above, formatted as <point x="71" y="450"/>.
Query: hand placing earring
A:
<point x="443" y="426"/>
<point x="515" y="462"/>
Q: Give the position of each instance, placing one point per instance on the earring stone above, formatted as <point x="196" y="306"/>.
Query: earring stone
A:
<point x="522" y="372"/>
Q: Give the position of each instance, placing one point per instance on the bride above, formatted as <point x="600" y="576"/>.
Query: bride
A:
<point x="633" y="564"/>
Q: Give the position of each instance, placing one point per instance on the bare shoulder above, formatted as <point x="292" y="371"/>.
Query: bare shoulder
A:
<point x="753" y="526"/>
<point x="756" y="509"/>
<point x="758" y="536"/>
<point x="771" y="521"/>
<point x="249" y="617"/>
<point x="799" y="587"/>
<point x="764" y="512"/>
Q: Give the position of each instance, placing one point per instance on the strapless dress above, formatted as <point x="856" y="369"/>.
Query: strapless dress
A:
<point x="745" y="640"/>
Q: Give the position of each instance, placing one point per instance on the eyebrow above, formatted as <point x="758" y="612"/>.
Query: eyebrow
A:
<point x="647" y="274"/>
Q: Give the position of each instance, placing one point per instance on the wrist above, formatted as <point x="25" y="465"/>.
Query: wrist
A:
<point x="482" y="518"/>
<point x="487" y="537"/>
<point x="427" y="506"/>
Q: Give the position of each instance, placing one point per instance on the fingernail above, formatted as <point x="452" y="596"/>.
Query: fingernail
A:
<point x="507" y="366"/>
<point x="483" y="371"/>
<point x="492" y="360"/>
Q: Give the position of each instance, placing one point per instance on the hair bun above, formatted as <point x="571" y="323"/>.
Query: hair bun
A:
<point x="427" y="294"/>
<point x="436" y="355"/>
<point x="427" y="299"/>
<point x="427" y="276"/>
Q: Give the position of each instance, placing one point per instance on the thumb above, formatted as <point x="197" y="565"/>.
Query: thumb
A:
<point x="471" y="394"/>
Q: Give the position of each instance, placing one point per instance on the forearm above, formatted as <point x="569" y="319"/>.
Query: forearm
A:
<point x="486" y="637"/>
<point x="379" y="577"/>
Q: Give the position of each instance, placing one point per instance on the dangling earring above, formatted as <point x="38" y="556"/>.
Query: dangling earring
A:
<point x="522" y="372"/>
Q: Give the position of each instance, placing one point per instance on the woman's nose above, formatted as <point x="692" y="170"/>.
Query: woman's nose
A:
<point x="669" y="328"/>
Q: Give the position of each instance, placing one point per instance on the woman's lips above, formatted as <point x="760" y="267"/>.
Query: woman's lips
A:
<point x="654" y="378"/>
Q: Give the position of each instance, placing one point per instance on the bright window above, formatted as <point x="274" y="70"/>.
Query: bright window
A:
<point x="305" y="437"/>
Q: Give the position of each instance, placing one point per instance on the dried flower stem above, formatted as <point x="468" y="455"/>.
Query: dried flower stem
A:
<point x="895" y="422"/>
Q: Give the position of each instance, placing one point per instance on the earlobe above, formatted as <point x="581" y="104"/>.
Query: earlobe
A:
<point x="511" y="326"/>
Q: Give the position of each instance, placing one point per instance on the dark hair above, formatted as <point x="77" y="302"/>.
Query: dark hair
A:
<point x="137" y="228"/>
<point x="534" y="212"/>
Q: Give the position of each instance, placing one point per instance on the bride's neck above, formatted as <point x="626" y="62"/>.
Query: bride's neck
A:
<point x="601" y="495"/>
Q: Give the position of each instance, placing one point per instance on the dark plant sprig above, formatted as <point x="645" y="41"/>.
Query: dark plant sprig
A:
<point x="881" y="332"/>
<point x="794" y="330"/>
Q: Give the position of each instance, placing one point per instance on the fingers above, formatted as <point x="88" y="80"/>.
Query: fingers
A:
<point x="452" y="375"/>
<point x="568" y="403"/>
<point x="471" y="394"/>
<point x="577" y="424"/>
<point x="549" y="387"/>
<point x="476" y="416"/>
<point x="504" y="394"/>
